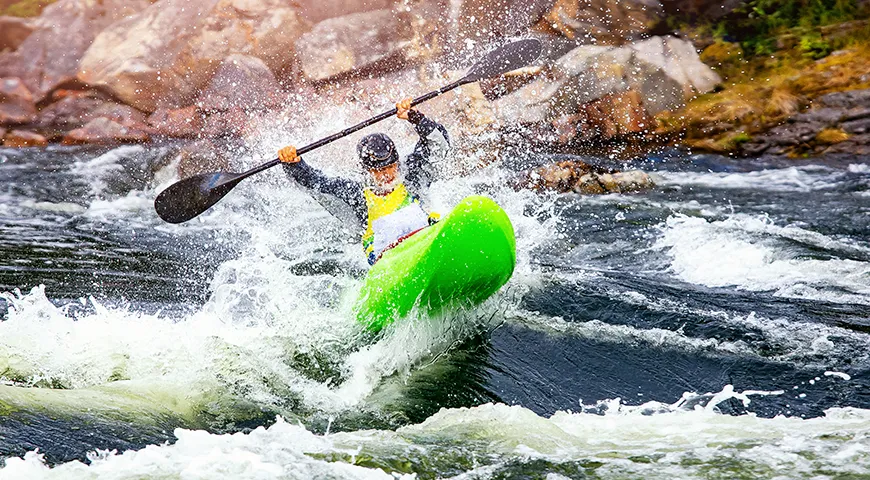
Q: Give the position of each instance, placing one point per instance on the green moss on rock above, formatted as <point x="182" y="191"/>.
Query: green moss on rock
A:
<point x="23" y="8"/>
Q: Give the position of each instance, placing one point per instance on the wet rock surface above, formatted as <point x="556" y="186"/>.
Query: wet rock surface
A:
<point x="13" y="31"/>
<point x="212" y="69"/>
<point x="181" y="123"/>
<point x="837" y="123"/>
<point x="202" y="156"/>
<point x="163" y="57"/>
<point x="575" y="175"/>
<point x="317" y="10"/>
<point x="220" y="70"/>
<point x="241" y="81"/>
<point x="16" y="102"/>
<point x="50" y="55"/>
<point x="103" y="130"/>
<point x="24" y="138"/>
<point x="356" y="41"/>
<point x="602" y="21"/>
<point x="597" y="93"/>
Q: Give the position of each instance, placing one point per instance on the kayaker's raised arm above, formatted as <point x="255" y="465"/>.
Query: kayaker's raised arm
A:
<point x="388" y="208"/>
<point x="434" y="144"/>
<point x="348" y="191"/>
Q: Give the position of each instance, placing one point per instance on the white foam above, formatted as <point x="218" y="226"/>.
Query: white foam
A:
<point x="806" y="343"/>
<point x="258" y="313"/>
<point x="281" y="451"/>
<point x="739" y="252"/>
<point x="228" y="348"/>
<point x="686" y="439"/>
<point x="670" y="436"/>
<point x="54" y="207"/>
<point x="95" y="169"/>
<point x="791" y="179"/>
<point x="842" y="375"/>
<point x="625" y="334"/>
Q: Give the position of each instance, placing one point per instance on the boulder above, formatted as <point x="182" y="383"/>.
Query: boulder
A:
<point x="784" y="138"/>
<point x="122" y="114"/>
<point x="50" y="55"/>
<point x="838" y="122"/>
<point x="602" y="21"/>
<point x="165" y="55"/>
<point x="481" y="21"/>
<point x="678" y="59"/>
<point x="70" y="111"/>
<point x="581" y="177"/>
<point x="76" y="108"/>
<point x="318" y="10"/>
<point x="16" y="102"/>
<point x="13" y="31"/>
<point x="613" y="115"/>
<point x="10" y="65"/>
<point x="24" y="138"/>
<point x="857" y="126"/>
<point x="632" y="181"/>
<point x="241" y="81"/>
<point x="854" y="145"/>
<point x="848" y="99"/>
<point x="857" y="113"/>
<point x="826" y="116"/>
<point x="182" y="122"/>
<point x="599" y="92"/>
<point x="104" y="131"/>
<point x="380" y="38"/>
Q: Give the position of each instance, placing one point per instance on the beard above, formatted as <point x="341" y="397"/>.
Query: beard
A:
<point x="383" y="188"/>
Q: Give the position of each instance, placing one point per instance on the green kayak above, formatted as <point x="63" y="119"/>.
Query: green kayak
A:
<point x="458" y="262"/>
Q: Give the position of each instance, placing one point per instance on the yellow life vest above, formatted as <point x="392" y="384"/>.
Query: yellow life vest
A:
<point x="391" y="218"/>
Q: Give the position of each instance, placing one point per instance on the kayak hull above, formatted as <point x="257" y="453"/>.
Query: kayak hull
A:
<point x="457" y="263"/>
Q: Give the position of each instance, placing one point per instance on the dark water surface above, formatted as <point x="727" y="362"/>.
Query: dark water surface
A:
<point x="716" y="326"/>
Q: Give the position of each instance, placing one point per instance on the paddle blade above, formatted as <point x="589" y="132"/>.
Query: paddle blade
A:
<point x="188" y="198"/>
<point x="505" y="58"/>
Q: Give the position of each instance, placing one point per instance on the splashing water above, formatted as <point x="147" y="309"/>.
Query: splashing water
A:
<point x="624" y="301"/>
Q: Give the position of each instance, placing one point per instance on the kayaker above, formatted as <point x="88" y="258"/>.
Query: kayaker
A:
<point x="387" y="204"/>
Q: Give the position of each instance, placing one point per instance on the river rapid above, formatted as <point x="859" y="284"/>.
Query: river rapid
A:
<point x="717" y="326"/>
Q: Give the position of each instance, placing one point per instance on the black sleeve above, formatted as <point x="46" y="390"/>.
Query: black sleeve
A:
<point x="348" y="191"/>
<point x="434" y="143"/>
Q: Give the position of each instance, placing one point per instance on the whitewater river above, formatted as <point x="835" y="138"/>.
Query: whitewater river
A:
<point x="717" y="326"/>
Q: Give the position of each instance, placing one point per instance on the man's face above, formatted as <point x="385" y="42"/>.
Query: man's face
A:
<point x="385" y="176"/>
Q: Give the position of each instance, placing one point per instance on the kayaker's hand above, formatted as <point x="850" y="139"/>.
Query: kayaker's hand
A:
<point x="288" y="155"/>
<point x="403" y="107"/>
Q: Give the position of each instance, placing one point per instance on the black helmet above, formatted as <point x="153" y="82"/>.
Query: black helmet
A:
<point x="376" y="151"/>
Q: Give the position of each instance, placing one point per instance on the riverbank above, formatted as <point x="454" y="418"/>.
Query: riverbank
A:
<point x="614" y="81"/>
<point x="811" y="96"/>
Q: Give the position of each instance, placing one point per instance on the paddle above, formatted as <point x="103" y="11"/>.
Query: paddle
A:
<point x="188" y="198"/>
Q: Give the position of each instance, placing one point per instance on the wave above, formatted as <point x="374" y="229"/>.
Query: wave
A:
<point x="791" y="179"/>
<point x="686" y="439"/>
<point x="748" y="252"/>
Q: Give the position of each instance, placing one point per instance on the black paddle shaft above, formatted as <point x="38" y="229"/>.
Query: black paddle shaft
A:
<point x="347" y="131"/>
<point x="188" y="198"/>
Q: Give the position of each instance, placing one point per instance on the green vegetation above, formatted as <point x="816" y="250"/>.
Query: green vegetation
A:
<point x="23" y="8"/>
<point x="761" y="93"/>
<point x="756" y="24"/>
<point x="775" y="57"/>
